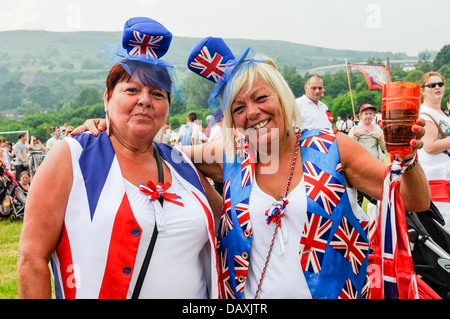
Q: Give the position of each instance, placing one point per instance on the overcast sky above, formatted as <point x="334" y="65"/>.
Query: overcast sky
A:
<point x="407" y="26"/>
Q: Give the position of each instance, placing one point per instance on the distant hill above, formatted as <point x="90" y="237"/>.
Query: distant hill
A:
<point x="42" y="70"/>
<point x="47" y="51"/>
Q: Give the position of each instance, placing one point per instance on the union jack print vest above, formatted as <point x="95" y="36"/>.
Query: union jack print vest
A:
<point x="96" y="255"/>
<point x="334" y="245"/>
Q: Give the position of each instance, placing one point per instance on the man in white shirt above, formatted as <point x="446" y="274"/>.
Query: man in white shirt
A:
<point x="312" y="111"/>
<point x="54" y="139"/>
<point x="340" y="124"/>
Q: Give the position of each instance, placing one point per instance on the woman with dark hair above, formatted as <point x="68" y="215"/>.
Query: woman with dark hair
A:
<point x="118" y="199"/>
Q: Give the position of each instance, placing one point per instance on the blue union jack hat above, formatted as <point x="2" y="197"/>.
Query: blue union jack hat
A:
<point x="144" y="42"/>
<point x="212" y="59"/>
<point x="145" y="38"/>
<point x="208" y="58"/>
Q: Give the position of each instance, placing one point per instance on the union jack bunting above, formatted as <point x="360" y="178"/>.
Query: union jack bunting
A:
<point x="144" y="44"/>
<point x="314" y="242"/>
<point x="322" y="187"/>
<point x="394" y="276"/>
<point x="209" y="66"/>
<point x="350" y="244"/>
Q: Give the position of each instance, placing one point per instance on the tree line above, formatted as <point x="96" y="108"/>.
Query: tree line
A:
<point x="40" y="107"/>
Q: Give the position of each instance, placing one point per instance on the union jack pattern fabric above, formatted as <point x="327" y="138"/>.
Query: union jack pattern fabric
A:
<point x="322" y="187"/>
<point x="241" y="268"/>
<point x="209" y="66"/>
<point x="243" y="216"/>
<point x="321" y="142"/>
<point x="242" y="146"/>
<point x="394" y="276"/>
<point x="144" y="44"/>
<point x="225" y="218"/>
<point x="96" y="173"/>
<point x="330" y="272"/>
<point x="348" y="242"/>
<point x="349" y="291"/>
<point x="226" y="292"/>
<point x="313" y="242"/>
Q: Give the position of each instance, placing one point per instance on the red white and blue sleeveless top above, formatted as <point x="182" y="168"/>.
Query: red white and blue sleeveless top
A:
<point x="333" y="248"/>
<point x="103" y="240"/>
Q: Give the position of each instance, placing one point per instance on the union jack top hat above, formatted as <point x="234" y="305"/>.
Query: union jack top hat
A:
<point x="212" y="59"/>
<point x="145" y="38"/>
<point x="144" y="42"/>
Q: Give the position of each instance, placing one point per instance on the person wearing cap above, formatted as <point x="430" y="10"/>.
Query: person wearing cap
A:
<point x="370" y="136"/>
<point x="314" y="113"/>
<point x="118" y="197"/>
<point x="367" y="133"/>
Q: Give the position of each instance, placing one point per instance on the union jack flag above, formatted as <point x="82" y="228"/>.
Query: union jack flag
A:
<point x="243" y="215"/>
<point x="350" y="244"/>
<point x="240" y="268"/>
<point x="210" y="66"/>
<point x="144" y="44"/>
<point x="349" y="291"/>
<point x="322" y="187"/>
<point x="313" y="242"/>
<point x="395" y="278"/>
<point x="225" y="218"/>
<point x="320" y="142"/>
<point x="224" y="276"/>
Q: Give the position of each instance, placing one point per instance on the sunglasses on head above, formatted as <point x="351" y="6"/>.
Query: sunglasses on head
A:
<point x="433" y="85"/>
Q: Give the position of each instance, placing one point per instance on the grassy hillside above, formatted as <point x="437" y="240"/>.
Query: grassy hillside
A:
<point x="34" y="51"/>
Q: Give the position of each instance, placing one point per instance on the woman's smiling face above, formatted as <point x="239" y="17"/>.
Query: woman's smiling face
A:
<point x="257" y="111"/>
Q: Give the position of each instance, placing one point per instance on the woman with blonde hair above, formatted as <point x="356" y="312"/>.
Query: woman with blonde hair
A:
<point x="288" y="191"/>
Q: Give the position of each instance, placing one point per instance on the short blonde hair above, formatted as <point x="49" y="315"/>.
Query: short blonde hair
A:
<point x="260" y="68"/>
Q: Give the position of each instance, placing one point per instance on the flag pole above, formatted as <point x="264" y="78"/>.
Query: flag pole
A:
<point x="350" y="88"/>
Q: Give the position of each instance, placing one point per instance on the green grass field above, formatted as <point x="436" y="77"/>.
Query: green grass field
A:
<point x="9" y="245"/>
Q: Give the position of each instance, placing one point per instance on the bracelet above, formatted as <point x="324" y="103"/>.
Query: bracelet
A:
<point x="412" y="163"/>
<point x="411" y="166"/>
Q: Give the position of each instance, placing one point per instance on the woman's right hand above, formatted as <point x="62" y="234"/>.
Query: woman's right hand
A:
<point x="92" y="125"/>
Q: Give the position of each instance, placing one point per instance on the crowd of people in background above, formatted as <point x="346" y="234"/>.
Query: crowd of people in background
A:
<point x="23" y="157"/>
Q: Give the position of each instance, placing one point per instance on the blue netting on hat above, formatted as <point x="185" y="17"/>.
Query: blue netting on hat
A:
<point x="144" y="42"/>
<point x="220" y="96"/>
